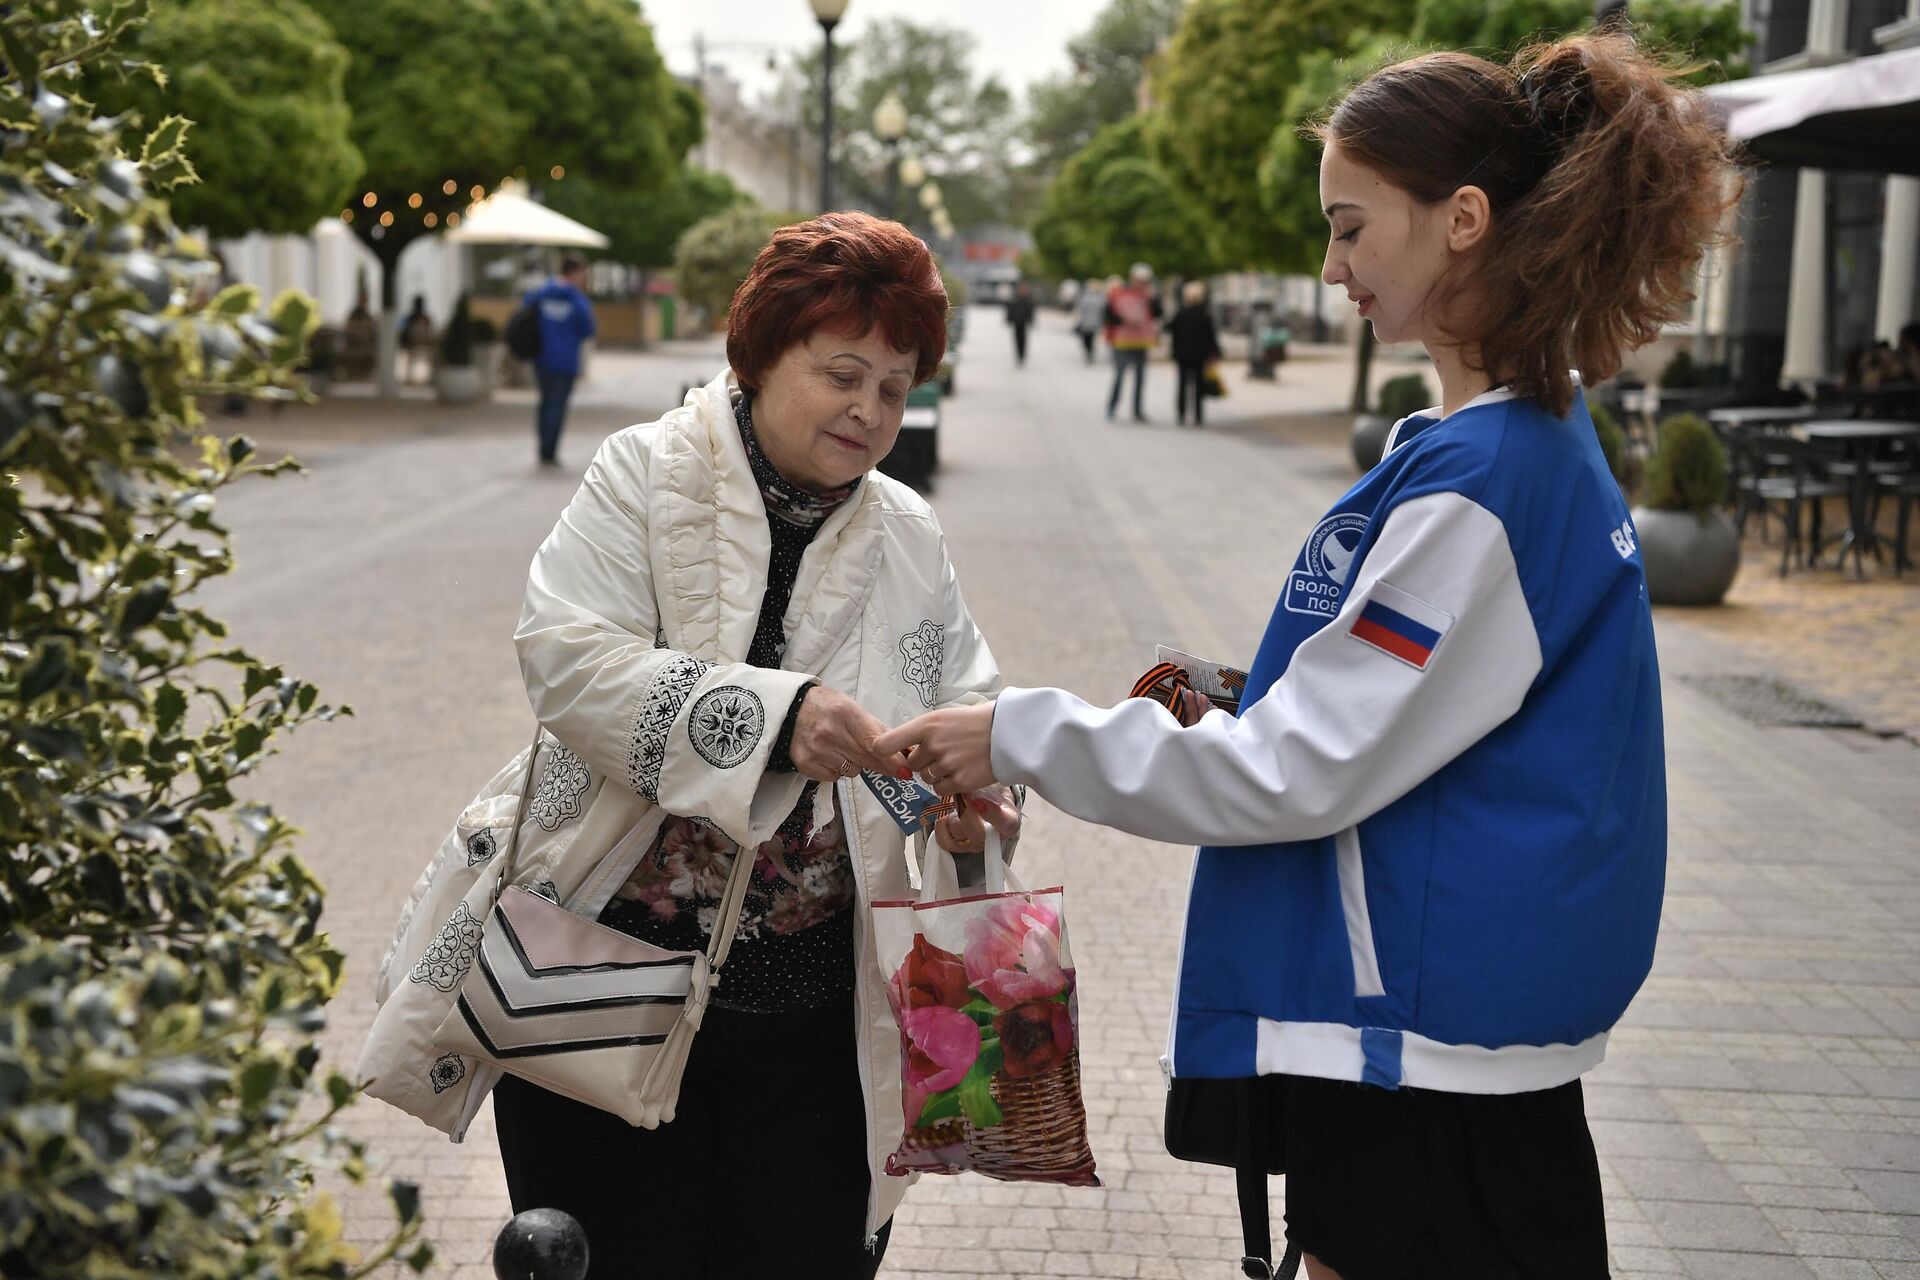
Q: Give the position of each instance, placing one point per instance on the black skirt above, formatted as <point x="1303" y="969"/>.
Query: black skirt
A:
<point x="1410" y="1183"/>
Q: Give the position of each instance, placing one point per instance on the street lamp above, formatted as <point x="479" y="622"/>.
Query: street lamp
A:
<point x="829" y="13"/>
<point x="912" y="172"/>
<point x="889" y="123"/>
<point x="930" y="196"/>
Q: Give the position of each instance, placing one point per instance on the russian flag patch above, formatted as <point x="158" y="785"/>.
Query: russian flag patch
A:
<point x="1400" y="626"/>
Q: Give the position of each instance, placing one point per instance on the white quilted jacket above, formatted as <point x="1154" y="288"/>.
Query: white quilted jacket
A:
<point x="640" y="607"/>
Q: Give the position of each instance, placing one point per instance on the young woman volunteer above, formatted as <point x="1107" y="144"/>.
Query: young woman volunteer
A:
<point x="1433" y="842"/>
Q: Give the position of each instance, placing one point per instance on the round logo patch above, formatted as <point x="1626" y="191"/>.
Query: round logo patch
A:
<point x="725" y="724"/>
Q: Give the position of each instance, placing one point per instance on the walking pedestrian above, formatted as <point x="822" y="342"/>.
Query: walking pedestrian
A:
<point x="1133" y="327"/>
<point x="566" y="323"/>
<point x="1196" y="344"/>
<point x="416" y="339"/>
<point x="711" y="635"/>
<point x="1020" y="319"/>
<point x="1435" y="834"/>
<point x="1090" y="314"/>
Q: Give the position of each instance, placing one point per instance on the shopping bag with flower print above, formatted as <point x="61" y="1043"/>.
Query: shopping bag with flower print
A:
<point x="982" y="987"/>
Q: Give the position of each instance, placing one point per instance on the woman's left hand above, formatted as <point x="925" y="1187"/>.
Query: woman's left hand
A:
<point x="966" y="831"/>
<point x="951" y="749"/>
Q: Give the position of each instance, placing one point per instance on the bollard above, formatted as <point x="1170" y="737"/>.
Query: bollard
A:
<point x="541" y="1244"/>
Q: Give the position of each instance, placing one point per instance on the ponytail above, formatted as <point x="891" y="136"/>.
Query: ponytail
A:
<point x="1606" y="180"/>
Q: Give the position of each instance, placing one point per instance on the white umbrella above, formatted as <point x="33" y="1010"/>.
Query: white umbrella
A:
<point x="1861" y="114"/>
<point x="508" y="217"/>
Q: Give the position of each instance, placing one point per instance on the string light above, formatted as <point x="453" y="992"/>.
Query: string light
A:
<point x="386" y="219"/>
<point x="369" y="199"/>
<point x="453" y="220"/>
<point x="558" y="172"/>
<point x="413" y="201"/>
<point x="431" y="219"/>
<point x="478" y="192"/>
<point x="346" y="215"/>
<point x="449" y="186"/>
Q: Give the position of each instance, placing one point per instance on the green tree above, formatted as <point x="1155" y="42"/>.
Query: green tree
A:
<point x="264" y="83"/>
<point x="1221" y="86"/>
<point x="962" y="128"/>
<point x="162" y="974"/>
<point x="449" y="95"/>
<point x="1110" y="58"/>
<point x="716" y="253"/>
<point x="1112" y="206"/>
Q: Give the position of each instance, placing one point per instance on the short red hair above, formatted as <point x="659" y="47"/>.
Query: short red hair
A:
<point x="844" y="272"/>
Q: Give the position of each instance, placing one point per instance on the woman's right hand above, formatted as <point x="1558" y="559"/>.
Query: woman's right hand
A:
<point x="833" y="738"/>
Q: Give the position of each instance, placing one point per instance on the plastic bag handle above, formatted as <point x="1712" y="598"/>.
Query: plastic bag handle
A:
<point x="940" y="875"/>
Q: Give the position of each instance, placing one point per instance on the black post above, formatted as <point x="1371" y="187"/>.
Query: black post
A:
<point x="826" y="118"/>
<point x="893" y="180"/>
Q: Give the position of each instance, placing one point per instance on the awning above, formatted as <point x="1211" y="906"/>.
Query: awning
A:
<point x="508" y="217"/>
<point x="1863" y="114"/>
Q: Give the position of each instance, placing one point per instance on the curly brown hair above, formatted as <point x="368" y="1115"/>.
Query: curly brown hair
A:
<point x="1607" y="182"/>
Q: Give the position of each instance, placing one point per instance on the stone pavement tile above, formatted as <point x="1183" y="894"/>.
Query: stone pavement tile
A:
<point x="1649" y="1179"/>
<point x="1634" y="1260"/>
<point x="1720" y="1265"/>
<point x="1843" y="1269"/>
<point x="1732" y="1227"/>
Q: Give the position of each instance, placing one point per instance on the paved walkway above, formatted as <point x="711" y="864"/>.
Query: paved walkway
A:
<point x="1758" y="1115"/>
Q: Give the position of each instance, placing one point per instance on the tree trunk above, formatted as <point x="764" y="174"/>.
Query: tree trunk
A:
<point x="1361" y="398"/>
<point x="387" y="364"/>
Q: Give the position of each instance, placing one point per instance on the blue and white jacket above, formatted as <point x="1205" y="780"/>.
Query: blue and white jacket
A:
<point x="1434" y="841"/>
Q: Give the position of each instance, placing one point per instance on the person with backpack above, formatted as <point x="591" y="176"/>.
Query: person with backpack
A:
<point x="1133" y="330"/>
<point x="1433" y="836"/>
<point x="553" y="322"/>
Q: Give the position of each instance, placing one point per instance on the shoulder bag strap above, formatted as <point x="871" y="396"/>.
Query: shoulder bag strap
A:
<point x="520" y="816"/>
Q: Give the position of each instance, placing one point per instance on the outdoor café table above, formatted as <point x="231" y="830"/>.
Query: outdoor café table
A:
<point x="1861" y="436"/>
<point x="1763" y="416"/>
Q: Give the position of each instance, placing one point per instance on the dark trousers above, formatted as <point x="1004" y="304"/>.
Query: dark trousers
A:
<point x="1134" y="358"/>
<point x="1192" y="390"/>
<point x="1086" y="342"/>
<point x="762" y="1172"/>
<point x="1019" y="344"/>
<point x="555" y="388"/>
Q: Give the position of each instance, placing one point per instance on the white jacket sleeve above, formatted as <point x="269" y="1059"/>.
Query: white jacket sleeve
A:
<point x="1359" y="718"/>
<point x="692" y="737"/>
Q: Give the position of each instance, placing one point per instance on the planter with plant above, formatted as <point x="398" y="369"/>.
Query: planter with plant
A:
<point x="1398" y="397"/>
<point x="1688" y="545"/>
<point x="457" y="380"/>
<point x="1613" y="444"/>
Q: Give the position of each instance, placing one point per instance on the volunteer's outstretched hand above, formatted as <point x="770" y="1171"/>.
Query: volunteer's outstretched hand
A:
<point x="951" y="749"/>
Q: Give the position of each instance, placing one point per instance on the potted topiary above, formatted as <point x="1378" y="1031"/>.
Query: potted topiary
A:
<point x="457" y="380"/>
<point x="1613" y="444"/>
<point x="1688" y="545"/>
<point x="1398" y="397"/>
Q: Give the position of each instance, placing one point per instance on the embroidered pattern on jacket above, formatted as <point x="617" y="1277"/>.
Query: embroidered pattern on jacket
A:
<point x="658" y="710"/>
<point x="547" y="889"/>
<point x="445" y="963"/>
<point x="925" y="651"/>
<point x="480" y="847"/>
<point x="448" y="1070"/>
<point x="562" y="783"/>
<point x="726" y="724"/>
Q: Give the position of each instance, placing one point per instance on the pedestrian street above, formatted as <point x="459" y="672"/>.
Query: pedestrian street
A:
<point x="1758" y="1114"/>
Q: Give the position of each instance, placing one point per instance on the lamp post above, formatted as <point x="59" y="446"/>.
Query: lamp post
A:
<point x="889" y="124"/>
<point x="829" y="13"/>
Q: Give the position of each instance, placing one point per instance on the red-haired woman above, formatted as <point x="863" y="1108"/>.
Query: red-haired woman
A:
<point x="1434" y="838"/>
<point x="730" y="610"/>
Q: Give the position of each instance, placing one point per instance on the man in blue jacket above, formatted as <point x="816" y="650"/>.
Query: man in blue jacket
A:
<point x="566" y="322"/>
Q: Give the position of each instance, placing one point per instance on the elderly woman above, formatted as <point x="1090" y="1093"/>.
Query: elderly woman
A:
<point x="729" y="611"/>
